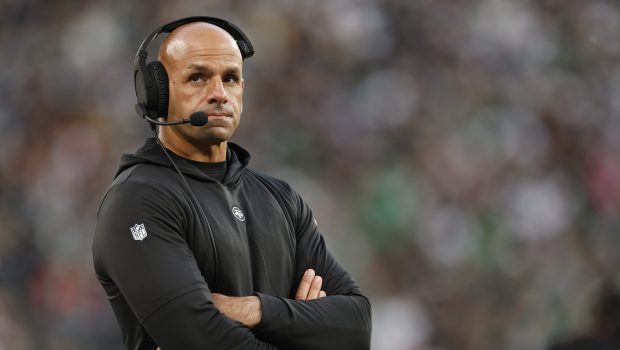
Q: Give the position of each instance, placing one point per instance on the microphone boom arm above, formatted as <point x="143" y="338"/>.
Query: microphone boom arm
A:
<point x="198" y="118"/>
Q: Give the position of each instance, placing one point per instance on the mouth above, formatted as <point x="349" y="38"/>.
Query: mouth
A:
<point x="219" y="115"/>
<point x="219" y="119"/>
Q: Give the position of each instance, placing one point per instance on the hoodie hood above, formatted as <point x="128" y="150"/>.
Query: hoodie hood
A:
<point x="237" y="160"/>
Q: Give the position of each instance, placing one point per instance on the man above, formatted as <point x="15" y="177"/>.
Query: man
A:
<point x="251" y="270"/>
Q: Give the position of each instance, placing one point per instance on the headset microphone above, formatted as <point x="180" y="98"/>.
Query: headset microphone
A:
<point x="198" y="118"/>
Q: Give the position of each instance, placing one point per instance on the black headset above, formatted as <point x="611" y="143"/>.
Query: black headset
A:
<point x="151" y="80"/>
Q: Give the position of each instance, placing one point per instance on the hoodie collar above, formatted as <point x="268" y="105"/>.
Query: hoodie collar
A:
<point x="237" y="160"/>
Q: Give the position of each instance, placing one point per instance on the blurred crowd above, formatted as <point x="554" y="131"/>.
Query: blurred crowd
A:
<point x="462" y="158"/>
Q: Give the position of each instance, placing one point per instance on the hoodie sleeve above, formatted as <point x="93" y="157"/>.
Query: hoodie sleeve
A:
<point x="151" y="277"/>
<point x="342" y="320"/>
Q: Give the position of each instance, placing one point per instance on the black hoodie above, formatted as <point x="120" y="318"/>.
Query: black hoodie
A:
<point x="158" y="264"/>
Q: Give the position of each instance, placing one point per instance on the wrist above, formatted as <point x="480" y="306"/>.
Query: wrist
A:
<point x="253" y="311"/>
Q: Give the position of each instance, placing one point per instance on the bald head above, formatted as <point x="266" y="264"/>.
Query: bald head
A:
<point x="197" y="36"/>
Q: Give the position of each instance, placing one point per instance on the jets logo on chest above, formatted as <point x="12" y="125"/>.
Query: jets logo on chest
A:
<point x="238" y="214"/>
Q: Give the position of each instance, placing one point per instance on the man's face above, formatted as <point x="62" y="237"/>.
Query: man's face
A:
<point x="205" y="74"/>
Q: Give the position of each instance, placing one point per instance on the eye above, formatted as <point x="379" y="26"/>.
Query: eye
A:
<point x="196" y="78"/>
<point x="230" y="78"/>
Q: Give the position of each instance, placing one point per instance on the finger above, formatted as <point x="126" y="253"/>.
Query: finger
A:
<point x="315" y="288"/>
<point x="322" y="294"/>
<point x="304" y="285"/>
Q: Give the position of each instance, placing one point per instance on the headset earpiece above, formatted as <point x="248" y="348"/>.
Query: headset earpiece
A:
<point x="160" y="77"/>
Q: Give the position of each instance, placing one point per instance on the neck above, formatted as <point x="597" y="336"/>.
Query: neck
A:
<point x="200" y="152"/>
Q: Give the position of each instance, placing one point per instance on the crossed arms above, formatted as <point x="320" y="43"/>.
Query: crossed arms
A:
<point x="247" y="310"/>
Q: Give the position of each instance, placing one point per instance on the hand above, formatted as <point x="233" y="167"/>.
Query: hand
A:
<point x="243" y="309"/>
<point x="310" y="287"/>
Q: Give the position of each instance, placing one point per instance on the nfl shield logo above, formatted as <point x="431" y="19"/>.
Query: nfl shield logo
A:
<point x="138" y="232"/>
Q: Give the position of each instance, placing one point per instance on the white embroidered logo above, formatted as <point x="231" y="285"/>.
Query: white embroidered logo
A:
<point x="238" y="213"/>
<point x="138" y="232"/>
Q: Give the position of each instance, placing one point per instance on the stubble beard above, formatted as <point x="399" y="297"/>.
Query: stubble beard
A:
<point x="206" y="135"/>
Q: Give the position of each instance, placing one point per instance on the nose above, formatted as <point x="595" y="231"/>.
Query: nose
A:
<point x="216" y="93"/>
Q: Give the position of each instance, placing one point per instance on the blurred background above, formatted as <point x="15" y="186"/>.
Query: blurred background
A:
<point x="462" y="158"/>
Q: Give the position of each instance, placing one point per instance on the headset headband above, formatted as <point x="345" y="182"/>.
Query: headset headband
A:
<point x="245" y="46"/>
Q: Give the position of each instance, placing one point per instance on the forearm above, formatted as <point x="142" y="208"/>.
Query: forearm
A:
<point x="332" y="322"/>
<point x="246" y="310"/>
<point x="243" y="309"/>
<point x="171" y="329"/>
